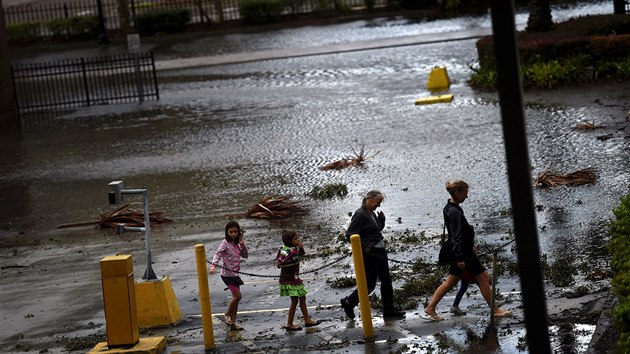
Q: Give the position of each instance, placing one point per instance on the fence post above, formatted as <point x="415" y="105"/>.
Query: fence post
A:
<point x="85" y="82"/>
<point x="364" y="300"/>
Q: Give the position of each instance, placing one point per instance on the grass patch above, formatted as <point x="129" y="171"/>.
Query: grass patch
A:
<point x="329" y="191"/>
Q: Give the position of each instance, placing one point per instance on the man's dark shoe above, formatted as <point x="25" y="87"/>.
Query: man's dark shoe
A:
<point x="347" y="308"/>
<point x="393" y="313"/>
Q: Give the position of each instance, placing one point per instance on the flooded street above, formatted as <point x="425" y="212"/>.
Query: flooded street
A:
<point x="220" y="138"/>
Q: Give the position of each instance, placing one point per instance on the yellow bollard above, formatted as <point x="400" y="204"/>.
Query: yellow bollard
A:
<point x="364" y="300"/>
<point x="204" y="297"/>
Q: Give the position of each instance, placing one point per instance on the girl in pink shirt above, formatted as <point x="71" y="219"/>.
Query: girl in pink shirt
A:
<point x="230" y="252"/>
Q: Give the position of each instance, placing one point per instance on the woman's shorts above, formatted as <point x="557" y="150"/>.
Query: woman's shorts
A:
<point x="473" y="265"/>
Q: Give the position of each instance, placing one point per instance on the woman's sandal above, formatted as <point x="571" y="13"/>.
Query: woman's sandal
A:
<point x="432" y="317"/>
<point x="292" y="328"/>
<point x="227" y="320"/>
<point x="505" y="313"/>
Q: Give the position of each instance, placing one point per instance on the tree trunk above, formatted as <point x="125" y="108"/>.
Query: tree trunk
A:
<point x="539" y="16"/>
<point x="619" y="7"/>
<point x="7" y="96"/>
<point x="123" y="15"/>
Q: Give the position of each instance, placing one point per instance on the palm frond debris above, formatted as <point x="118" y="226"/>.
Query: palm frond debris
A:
<point x="123" y="215"/>
<point x="273" y="207"/>
<point x="358" y="160"/>
<point x="587" y="126"/>
<point x="579" y="177"/>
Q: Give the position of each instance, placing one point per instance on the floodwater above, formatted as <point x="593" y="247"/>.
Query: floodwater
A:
<point x="220" y="138"/>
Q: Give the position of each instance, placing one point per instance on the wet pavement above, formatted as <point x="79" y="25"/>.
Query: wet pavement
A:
<point x="223" y="136"/>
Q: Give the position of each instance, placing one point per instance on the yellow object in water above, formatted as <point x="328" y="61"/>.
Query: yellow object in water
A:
<point x="434" y="99"/>
<point x="438" y="79"/>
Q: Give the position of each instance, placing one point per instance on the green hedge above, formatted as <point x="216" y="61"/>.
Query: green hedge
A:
<point x="620" y="263"/>
<point x="77" y="26"/>
<point x="261" y="11"/>
<point x="548" y="60"/>
<point x="603" y="36"/>
<point x="25" y="32"/>
<point x="171" y="21"/>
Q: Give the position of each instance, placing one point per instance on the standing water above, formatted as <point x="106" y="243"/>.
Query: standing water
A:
<point x="222" y="137"/>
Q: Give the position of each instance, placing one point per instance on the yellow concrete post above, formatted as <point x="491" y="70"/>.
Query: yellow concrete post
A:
<point x="364" y="300"/>
<point x="119" y="300"/>
<point x="204" y="297"/>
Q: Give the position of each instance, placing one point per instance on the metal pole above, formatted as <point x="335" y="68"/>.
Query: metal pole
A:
<point x="149" y="274"/>
<point x="525" y="230"/>
<point x="102" y="33"/>
<point x="364" y="299"/>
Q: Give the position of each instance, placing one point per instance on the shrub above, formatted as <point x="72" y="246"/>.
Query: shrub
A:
<point x="603" y="36"/>
<point x="170" y="21"/>
<point x="485" y="79"/>
<point x="25" y="32"/>
<point x="77" y="26"/>
<point x="620" y="263"/>
<point x="261" y="11"/>
<point x="555" y="73"/>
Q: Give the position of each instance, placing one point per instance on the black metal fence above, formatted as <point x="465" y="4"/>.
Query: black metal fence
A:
<point x="85" y="82"/>
<point x="202" y="11"/>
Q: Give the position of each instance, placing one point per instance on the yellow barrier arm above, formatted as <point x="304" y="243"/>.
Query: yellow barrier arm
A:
<point x="364" y="300"/>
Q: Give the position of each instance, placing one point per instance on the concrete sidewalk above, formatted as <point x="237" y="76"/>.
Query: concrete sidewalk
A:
<point x="176" y="64"/>
<point x="336" y="334"/>
<point x="263" y="331"/>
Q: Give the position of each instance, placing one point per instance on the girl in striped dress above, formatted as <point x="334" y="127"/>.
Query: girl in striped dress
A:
<point x="288" y="260"/>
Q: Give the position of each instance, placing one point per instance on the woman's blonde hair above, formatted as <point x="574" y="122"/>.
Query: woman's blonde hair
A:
<point x="455" y="185"/>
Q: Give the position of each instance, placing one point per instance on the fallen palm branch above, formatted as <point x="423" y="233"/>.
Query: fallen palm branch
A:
<point x="123" y="215"/>
<point x="587" y="126"/>
<point x="273" y="207"/>
<point x="551" y="179"/>
<point x="357" y="160"/>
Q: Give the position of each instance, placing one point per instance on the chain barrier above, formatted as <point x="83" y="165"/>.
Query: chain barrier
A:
<point x="278" y="276"/>
<point x="492" y="252"/>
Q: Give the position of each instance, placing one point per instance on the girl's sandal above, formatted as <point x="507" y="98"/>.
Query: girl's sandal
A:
<point x="228" y="320"/>
<point x="236" y="327"/>
<point x="292" y="328"/>
<point x="312" y="324"/>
